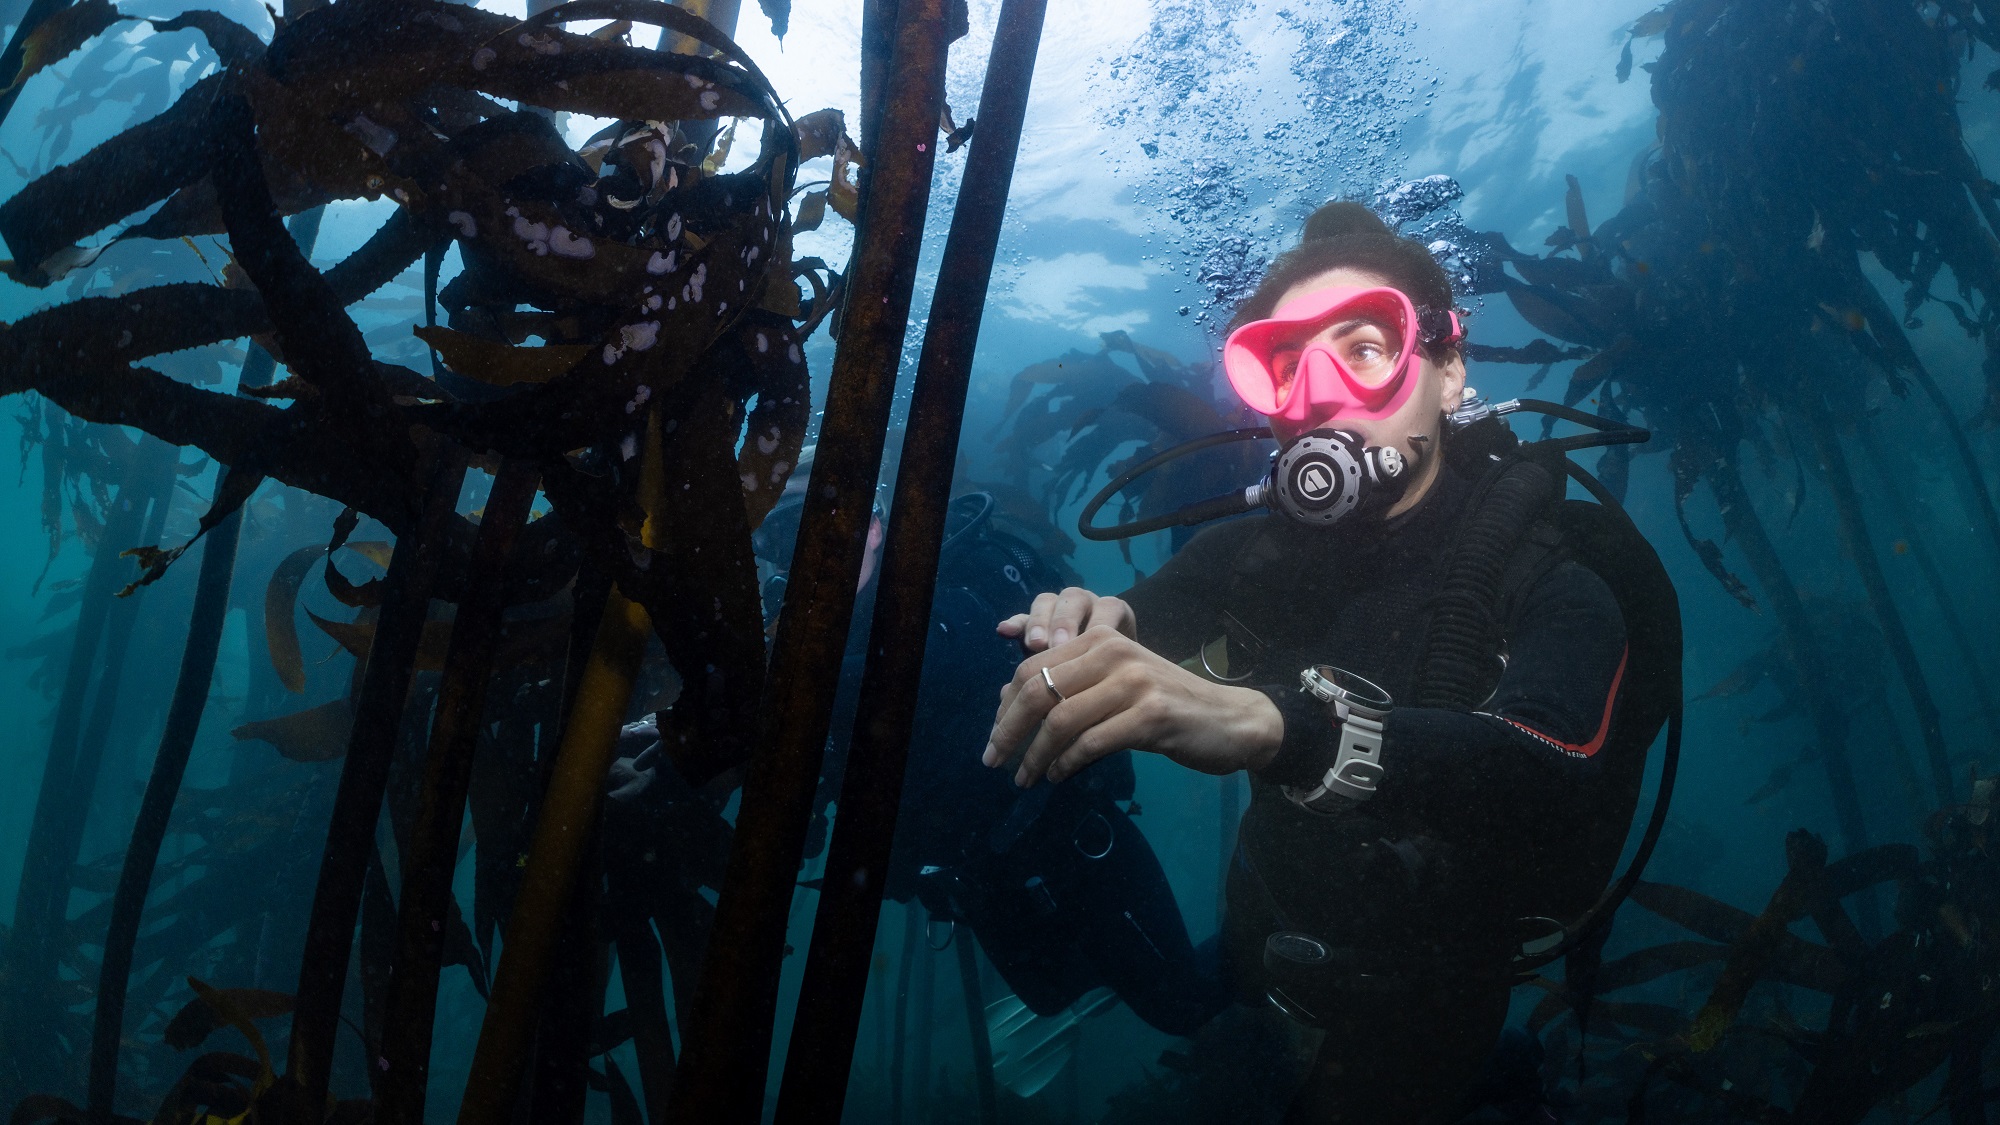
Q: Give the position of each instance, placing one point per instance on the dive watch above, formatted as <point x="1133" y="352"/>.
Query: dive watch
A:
<point x="1357" y="708"/>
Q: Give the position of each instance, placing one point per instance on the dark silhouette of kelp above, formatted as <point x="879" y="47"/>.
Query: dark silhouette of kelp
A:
<point x="1901" y="1007"/>
<point x="660" y="288"/>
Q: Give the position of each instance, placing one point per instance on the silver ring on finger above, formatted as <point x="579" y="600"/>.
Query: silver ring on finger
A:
<point x="1051" y="685"/>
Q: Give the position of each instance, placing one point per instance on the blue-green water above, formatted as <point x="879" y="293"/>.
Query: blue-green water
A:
<point x="1171" y="149"/>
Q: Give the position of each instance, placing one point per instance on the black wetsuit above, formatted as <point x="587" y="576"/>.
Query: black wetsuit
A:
<point x="1478" y="811"/>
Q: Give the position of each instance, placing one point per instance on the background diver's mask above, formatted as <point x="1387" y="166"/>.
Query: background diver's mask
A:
<point x="1301" y="384"/>
<point x="774" y="538"/>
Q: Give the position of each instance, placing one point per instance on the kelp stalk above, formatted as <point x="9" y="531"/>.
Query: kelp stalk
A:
<point x="639" y="971"/>
<point x="1796" y="637"/>
<point x="565" y="828"/>
<point x="728" y="1034"/>
<point x="1971" y="479"/>
<point x="170" y="759"/>
<point x="1968" y="653"/>
<point x="1854" y="536"/>
<point x="562" y="831"/>
<point x="364" y="778"/>
<point x="1797" y="896"/>
<point x="572" y="998"/>
<point x="431" y="852"/>
<point x="850" y="905"/>
<point x="149" y="830"/>
<point x="31" y="953"/>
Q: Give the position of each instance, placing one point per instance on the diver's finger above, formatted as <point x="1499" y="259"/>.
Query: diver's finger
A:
<point x="1089" y="703"/>
<point x="1072" y="610"/>
<point x="1026" y="698"/>
<point x="1118" y="731"/>
<point x="1114" y="613"/>
<point x="1024" y="703"/>
<point x="1020" y="712"/>
<point x="1037" y="636"/>
<point x="1013" y="626"/>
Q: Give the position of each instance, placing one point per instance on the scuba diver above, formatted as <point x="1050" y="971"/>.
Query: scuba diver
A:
<point x="1060" y="886"/>
<point x="1441" y="677"/>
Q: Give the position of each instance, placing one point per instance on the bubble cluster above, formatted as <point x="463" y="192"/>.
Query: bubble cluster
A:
<point x="1244" y="117"/>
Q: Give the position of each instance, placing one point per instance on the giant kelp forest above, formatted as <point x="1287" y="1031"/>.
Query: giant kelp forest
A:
<point x="562" y="466"/>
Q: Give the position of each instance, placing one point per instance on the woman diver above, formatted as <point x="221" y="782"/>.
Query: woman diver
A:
<point x="1430" y="693"/>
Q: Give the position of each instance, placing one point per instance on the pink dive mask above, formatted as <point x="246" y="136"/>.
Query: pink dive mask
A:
<point x="1321" y="387"/>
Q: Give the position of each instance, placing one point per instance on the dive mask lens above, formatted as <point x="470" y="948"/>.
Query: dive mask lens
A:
<point x="1279" y="369"/>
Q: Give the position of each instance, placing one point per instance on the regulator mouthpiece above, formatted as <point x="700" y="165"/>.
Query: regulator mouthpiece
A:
<point x="1325" y="476"/>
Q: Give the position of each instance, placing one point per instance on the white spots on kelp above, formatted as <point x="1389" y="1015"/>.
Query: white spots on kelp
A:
<point x="567" y="245"/>
<point x="749" y="482"/>
<point x="483" y="58"/>
<point x="467" y="226"/>
<point x="763" y="345"/>
<point x="641" y="336"/>
<point x="656" y="153"/>
<point x="710" y="99"/>
<point x="663" y="263"/>
<point x="653" y="303"/>
<point x="767" y="442"/>
<point x="673" y="226"/>
<point x="792" y="353"/>
<point x="639" y="398"/>
<point x="536" y="235"/>
<point x="628" y="446"/>
<point x="540" y="44"/>
<point x="692" y="290"/>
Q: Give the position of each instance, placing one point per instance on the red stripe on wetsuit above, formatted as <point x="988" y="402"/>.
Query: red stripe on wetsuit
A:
<point x="1596" y="743"/>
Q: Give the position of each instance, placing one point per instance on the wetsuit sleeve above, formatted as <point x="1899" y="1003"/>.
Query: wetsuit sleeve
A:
<point x="1547" y="720"/>
<point x="1176" y="605"/>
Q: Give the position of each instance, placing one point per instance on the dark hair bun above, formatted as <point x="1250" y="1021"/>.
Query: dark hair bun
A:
<point x="1340" y="218"/>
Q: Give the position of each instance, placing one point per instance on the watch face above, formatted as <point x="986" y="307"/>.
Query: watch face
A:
<point x="1330" y="683"/>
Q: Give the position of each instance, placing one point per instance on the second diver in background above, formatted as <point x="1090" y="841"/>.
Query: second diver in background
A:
<point x="1059" y="884"/>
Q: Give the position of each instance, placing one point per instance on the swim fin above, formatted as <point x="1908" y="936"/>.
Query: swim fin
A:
<point x="1030" y="1050"/>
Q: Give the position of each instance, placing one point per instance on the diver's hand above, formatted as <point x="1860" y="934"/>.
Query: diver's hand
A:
<point x="1055" y="618"/>
<point x="1120" y="694"/>
<point x="630" y="777"/>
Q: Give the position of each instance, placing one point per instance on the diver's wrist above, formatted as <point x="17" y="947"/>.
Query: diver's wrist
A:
<point x="1261" y="733"/>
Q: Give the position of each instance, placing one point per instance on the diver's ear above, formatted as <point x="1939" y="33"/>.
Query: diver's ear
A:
<point x="1451" y="382"/>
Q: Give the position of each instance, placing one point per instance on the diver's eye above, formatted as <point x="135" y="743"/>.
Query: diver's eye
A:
<point x="1284" y="368"/>
<point x="1367" y="356"/>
